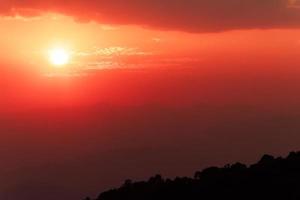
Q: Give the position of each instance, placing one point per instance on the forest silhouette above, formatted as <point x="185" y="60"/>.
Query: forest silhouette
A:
<point x="269" y="178"/>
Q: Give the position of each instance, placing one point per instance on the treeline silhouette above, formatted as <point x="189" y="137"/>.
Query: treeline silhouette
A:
<point x="270" y="178"/>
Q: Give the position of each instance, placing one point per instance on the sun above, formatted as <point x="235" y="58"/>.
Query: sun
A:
<point x="59" y="57"/>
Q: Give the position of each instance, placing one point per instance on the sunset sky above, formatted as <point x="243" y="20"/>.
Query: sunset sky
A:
<point x="94" y="92"/>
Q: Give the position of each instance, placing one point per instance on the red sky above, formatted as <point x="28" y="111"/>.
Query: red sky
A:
<point x="161" y="86"/>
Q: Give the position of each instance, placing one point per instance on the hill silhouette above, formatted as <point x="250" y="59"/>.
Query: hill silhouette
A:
<point x="270" y="178"/>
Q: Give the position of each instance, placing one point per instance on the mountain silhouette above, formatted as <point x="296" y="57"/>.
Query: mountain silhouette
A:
<point x="270" y="178"/>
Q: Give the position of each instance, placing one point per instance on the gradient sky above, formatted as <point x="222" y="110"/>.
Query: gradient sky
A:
<point x="160" y="86"/>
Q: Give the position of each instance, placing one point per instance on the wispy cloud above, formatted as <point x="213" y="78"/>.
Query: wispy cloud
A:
<point x="109" y="52"/>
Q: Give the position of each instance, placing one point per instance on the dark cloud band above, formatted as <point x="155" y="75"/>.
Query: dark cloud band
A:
<point x="185" y="15"/>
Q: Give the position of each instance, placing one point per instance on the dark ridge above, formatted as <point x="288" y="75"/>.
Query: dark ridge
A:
<point x="270" y="178"/>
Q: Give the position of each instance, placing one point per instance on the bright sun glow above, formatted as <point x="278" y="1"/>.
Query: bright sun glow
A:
<point x="59" y="56"/>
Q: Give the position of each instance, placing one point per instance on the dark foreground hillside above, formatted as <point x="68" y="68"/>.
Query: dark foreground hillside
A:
<point x="271" y="178"/>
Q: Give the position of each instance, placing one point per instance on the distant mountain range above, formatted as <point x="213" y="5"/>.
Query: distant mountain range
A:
<point x="270" y="178"/>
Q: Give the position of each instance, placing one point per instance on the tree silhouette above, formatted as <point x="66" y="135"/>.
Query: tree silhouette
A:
<point x="270" y="178"/>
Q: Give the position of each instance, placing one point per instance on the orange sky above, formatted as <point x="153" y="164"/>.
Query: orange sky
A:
<point x="25" y="43"/>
